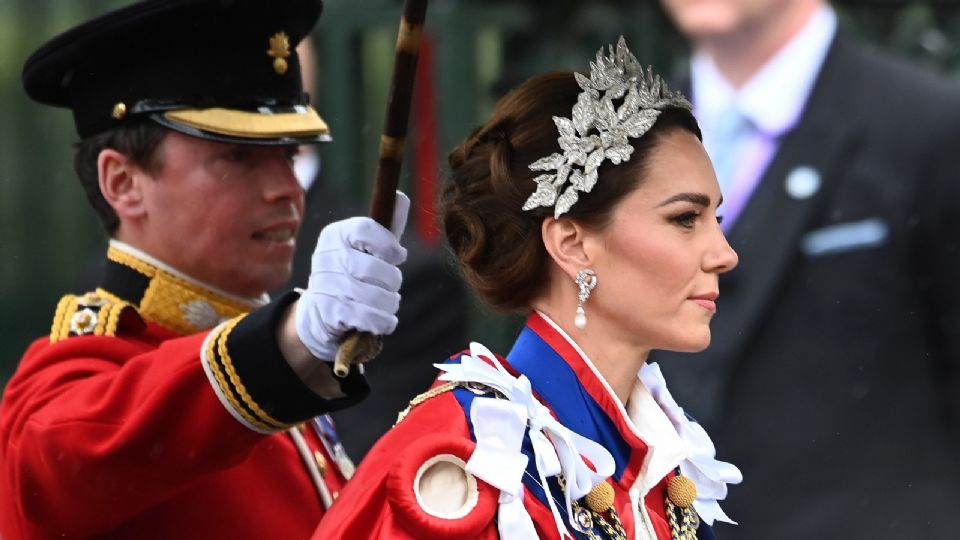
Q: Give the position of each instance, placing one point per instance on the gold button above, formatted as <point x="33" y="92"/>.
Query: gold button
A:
<point x="681" y="491"/>
<point x="119" y="110"/>
<point x="321" y="462"/>
<point x="600" y="498"/>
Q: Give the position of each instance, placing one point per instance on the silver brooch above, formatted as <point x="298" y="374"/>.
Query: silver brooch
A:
<point x="599" y="130"/>
<point x="200" y="314"/>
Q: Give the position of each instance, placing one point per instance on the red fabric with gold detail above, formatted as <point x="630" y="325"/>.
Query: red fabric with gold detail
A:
<point x="124" y="437"/>
<point x="368" y="507"/>
<point x="573" y="392"/>
<point x="374" y="505"/>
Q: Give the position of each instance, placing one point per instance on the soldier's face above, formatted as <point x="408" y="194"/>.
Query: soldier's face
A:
<point x="226" y="214"/>
<point x="707" y="19"/>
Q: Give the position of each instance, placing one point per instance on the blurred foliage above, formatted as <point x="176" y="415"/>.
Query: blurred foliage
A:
<point x="480" y="48"/>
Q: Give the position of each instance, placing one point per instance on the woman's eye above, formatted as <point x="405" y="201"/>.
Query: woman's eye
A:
<point x="686" y="219"/>
<point x="719" y="220"/>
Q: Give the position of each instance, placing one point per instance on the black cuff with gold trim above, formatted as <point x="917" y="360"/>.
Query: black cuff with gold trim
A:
<point x="255" y="380"/>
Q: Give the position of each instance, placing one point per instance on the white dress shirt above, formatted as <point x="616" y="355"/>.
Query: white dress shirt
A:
<point x="772" y="101"/>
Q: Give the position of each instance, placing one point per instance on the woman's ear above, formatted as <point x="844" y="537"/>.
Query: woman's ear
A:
<point x="567" y="242"/>
<point x="120" y="184"/>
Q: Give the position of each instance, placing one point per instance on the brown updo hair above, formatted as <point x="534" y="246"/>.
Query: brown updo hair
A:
<point x="497" y="244"/>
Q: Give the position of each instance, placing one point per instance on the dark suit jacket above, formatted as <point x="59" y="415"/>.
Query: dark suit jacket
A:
<point x="434" y="310"/>
<point x="832" y="378"/>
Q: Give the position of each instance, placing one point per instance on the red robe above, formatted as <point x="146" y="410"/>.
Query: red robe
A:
<point x="381" y="500"/>
<point x="118" y="427"/>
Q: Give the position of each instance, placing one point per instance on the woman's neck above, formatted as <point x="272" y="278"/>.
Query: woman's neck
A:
<point x="618" y="360"/>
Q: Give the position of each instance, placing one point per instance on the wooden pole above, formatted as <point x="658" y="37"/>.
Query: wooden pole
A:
<point x="358" y="347"/>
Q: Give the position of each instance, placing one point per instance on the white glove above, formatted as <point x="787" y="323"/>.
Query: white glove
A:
<point x="354" y="281"/>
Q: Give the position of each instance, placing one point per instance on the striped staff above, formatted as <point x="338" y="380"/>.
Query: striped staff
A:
<point x="359" y="347"/>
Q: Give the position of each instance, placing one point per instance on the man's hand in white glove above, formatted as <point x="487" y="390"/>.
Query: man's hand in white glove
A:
<point x="354" y="281"/>
<point x="354" y="285"/>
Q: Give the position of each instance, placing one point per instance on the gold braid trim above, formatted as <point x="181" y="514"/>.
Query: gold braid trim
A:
<point x="429" y="394"/>
<point x="109" y="296"/>
<point x="168" y="298"/>
<point x="686" y="529"/>
<point x="61" y="323"/>
<point x="214" y="363"/>
<point x="586" y="518"/>
<point x="87" y="314"/>
<point x="102" y="315"/>
<point x="113" y="317"/>
<point x="264" y="417"/>
<point x="613" y="529"/>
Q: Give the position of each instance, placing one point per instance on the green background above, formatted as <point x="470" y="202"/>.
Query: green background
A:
<point x="48" y="235"/>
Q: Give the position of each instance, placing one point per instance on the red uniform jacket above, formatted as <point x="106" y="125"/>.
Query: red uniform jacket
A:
<point x="125" y="424"/>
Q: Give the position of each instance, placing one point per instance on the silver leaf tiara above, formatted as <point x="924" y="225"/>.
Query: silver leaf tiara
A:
<point x="613" y="77"/>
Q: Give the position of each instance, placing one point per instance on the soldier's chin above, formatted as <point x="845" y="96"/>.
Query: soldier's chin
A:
<point x="272" y="279"/>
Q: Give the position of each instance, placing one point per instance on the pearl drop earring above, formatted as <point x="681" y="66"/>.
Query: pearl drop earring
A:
<point x="586" y="279"/>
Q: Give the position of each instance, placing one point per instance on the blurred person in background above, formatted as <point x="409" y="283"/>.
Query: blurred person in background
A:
<point x="834" y="375"/>
<point x="572" y="434"/>
<point x="176" y="400"/>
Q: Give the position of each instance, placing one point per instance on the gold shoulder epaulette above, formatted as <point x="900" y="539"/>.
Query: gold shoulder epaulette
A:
<point x="92" y="314"/>
<point x="477" y="388"/>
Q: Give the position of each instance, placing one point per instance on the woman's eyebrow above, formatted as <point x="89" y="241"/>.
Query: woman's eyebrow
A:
<point x="695" y="198"/>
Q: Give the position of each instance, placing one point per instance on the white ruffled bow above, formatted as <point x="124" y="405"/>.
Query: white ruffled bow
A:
<point x="499" y="426"/>
<point x="709" y="474"/>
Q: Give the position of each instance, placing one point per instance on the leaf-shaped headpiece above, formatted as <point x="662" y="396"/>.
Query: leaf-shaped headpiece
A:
<point x="599" y="130"/>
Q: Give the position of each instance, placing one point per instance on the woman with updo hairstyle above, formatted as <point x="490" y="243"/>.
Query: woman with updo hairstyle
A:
<point x="588" y="202"/>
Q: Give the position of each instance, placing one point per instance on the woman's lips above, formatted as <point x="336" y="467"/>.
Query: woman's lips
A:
<point x="707" y="301"/>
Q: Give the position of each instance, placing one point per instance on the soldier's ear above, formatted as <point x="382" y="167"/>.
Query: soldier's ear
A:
<point x="120" y="184"/>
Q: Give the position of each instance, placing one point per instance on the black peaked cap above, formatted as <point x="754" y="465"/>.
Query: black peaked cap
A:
<point x="219" y="69"/>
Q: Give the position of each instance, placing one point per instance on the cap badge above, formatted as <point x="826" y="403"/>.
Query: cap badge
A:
<point x="280" y="51"/>
<point x="119" y="110"/>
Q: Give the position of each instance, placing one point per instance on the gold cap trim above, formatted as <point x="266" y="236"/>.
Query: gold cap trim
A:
<point x="252" y="125"/>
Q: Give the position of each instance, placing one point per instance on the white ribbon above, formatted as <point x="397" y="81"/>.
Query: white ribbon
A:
<point x="709" y="474"/>
<point x="498" y="461"/>
<point x="499" y="427"/>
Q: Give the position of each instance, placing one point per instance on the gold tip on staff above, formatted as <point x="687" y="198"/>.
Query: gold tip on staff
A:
<point x="360" y="347"/>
